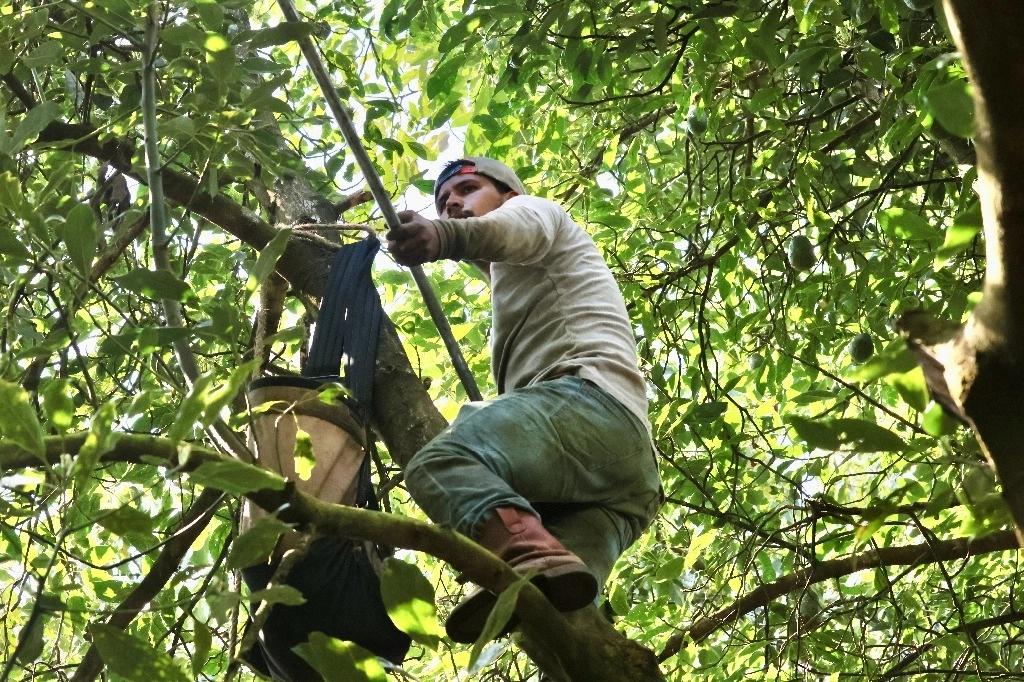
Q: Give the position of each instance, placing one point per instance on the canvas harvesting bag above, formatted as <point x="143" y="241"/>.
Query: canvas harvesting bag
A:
<point x="339" y="577"/>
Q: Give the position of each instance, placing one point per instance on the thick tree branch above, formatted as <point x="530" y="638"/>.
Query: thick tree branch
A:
<point x="570" y="648"/>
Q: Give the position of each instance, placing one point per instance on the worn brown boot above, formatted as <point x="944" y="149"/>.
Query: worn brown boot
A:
<point x="519" y="539"/>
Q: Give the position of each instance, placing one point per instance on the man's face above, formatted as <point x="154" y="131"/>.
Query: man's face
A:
<point x="466" y="196"/>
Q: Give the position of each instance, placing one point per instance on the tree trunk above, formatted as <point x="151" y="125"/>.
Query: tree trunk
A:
<point x="978" y="371"/>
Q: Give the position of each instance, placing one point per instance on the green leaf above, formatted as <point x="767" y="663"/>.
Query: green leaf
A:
<point x="57" y="404"/>
<point x="32" y="124"/>
<point x="305" y="460"/>
<point x="816" y="434"/>
<point x="409" y="599"/>
<point x="133" y="658"/>
<point x="857" y="435"/>
<point x="202" y="642"/>
<point x="339" y="661"/>
<point x="183" y="34"/>
<point x="455" y="34"/>
<point x="10" y="245"/>
<point x="20" y="424"/>
<point x="867" y="436"/>
<point x="255" y="545"/>
<point x="911" y="387"/>
<point x="79" y="236"/>
<point x="220" y="55"/>
<point x="11" y="196"/>
<point x="966" y="226"/>
<point x="209" y="395"/>
<point x="708" y="412"/>
<point x="501" y="614"/>
<point x="125" y="520"/>
<point x="286" y="32"/>
<point x="30" y="641"/>
<point x="904" y="224"/>
<point x="45" y="54"/>
<point x="211" y="13"/>
<point x="279" y="594"/>
<point x="442" y="80"/>
<point x="942" y="496"/>
<point x="883" y="364"/>
<point x="953" y="107"/>
<point x="155" y="338"/>
<point x="155" y="284"/>
<point x="491" y="653"/>
<point x="237" y="478"/>
<point x="936" y="422"/>
<point x="101" y="439"/>
<point x="873" y="521"/>
<point x="267" y="260"/>
<point x="388" y="16"/>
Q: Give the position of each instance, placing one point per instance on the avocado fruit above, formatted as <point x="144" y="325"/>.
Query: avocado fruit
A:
<point x="801" y="253"/>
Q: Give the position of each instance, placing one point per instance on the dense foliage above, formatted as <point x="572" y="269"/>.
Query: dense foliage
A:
<point x="773" y="184"/>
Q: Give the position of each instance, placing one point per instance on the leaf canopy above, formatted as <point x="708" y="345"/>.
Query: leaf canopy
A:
<point x="693" y="141"/>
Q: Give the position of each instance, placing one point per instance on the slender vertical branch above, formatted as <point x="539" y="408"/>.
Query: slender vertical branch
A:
<point x="159" y="236"/>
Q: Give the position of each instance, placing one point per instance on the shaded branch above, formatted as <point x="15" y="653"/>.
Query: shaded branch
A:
<point x="911" y="555"/>
<point x="193" y="523"/>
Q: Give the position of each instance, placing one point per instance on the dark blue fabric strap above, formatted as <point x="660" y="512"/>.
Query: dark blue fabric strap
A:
<point x="349" y="323"/>
<point x="348" y="329"/>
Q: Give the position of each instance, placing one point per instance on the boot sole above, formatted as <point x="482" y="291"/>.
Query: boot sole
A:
<point x="568" y="588"/>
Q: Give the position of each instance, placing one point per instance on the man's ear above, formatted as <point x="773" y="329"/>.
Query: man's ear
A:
<point x="508" y="195"/>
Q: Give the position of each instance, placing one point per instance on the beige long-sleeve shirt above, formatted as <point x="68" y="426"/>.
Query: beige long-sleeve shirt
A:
<point x="555" y="305"/>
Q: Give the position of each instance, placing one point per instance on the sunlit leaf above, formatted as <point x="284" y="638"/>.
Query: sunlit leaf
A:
<point x="500" y="615"/>
<point x="279" y="594"/>
<point x="911" y="387"/>
<point x="57" y="404"/>
<point x="33" y="123"/>
<point x="79" y="235"/>
<point x="906" y="224"/>
<point x="20" y="424"/>
<point x="267" y="259"/>
<point x="339" y="661"/>
<point x="236" y="477"/>
<point x="304" y="456"/>
<point x="409" y="599"/>
<point x="883" y="364"/>
<point x="965" y="228"/>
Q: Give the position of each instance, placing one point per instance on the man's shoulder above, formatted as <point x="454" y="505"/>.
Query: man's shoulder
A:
<point x="536" y="203"/>
<point x="549" y="211"/>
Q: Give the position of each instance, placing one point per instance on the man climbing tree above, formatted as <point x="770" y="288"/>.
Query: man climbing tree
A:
<point x="557" y="474"/>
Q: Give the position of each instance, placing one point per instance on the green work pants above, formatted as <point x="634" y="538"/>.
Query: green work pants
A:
<point x="563" y="449"/>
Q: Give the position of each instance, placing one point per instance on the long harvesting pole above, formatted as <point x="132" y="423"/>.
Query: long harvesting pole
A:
<point x="380" y="195"/>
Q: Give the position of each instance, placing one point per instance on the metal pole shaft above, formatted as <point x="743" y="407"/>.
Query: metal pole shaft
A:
<point x="381" y="196"/>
